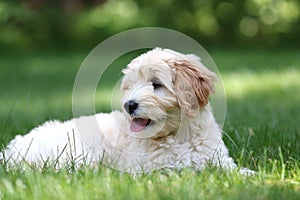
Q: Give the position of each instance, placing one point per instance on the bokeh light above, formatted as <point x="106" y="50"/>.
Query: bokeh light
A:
<point x="36" y="23"/>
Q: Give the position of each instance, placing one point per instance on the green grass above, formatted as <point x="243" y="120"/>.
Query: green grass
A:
<point x="261" y="129"/>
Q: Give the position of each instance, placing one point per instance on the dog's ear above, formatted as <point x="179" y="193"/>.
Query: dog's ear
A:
<point x="193" y="84"/>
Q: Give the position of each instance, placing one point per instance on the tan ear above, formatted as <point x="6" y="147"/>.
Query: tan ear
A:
<point x="193" y="84"/>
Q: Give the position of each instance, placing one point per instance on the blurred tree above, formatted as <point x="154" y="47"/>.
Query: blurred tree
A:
<point x="85" y="22"/>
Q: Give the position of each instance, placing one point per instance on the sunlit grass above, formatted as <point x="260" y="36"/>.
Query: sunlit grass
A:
<point x="239" y="84"/>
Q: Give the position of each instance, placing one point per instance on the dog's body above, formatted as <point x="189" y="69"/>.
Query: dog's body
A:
<point x="166" y="122"/>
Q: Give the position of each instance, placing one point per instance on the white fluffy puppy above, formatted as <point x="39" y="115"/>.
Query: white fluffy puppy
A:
<point x="166" y="122"/>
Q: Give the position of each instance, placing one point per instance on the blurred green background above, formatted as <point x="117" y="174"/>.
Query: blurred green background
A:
<point x="84" y="23"/>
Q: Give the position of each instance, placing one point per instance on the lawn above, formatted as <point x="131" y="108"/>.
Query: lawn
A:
<point x="261" y="130"/>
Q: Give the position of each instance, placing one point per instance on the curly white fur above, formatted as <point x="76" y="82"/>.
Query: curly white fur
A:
<point x="182" y="131"/>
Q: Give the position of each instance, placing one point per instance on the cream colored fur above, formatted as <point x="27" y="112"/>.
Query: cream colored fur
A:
<point x="182" y="133"/>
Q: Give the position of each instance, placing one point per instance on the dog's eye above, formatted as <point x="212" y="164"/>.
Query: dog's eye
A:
<point x="156" y="85"/>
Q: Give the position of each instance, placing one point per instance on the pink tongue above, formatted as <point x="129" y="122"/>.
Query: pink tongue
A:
<point x="138" y="124"/>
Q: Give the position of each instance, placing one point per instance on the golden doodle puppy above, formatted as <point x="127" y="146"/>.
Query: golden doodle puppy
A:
<point x="166" y="122"/>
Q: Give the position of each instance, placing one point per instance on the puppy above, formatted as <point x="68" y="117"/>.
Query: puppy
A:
<point x="166" y="122"/>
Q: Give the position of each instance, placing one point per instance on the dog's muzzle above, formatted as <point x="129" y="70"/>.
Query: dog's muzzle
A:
<point x="137" y="124"/>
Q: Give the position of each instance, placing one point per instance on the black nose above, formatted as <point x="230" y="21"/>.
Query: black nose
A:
<point x="131" y="106"/>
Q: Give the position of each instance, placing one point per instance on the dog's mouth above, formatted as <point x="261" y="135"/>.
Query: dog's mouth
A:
<point x="139" y="124"/>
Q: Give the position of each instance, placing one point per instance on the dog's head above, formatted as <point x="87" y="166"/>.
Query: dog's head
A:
<point x="163" y="87"/>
